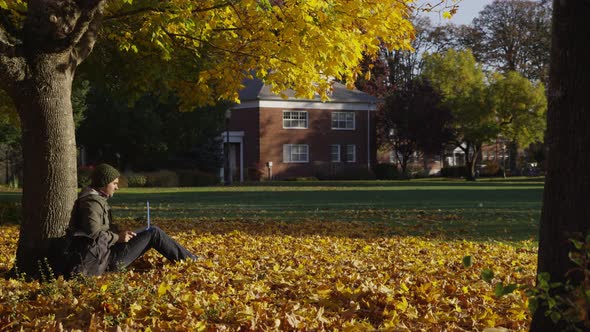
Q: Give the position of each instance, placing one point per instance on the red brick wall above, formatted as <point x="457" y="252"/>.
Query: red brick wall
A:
<point x="318" y="136"/>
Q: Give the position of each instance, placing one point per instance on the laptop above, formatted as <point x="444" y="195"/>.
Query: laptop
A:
<point x="139" y="230"/>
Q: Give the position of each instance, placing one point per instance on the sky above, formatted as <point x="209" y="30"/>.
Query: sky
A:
<point x="468" y="10"/>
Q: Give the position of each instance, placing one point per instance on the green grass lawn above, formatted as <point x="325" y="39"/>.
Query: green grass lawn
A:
<point x="496" y="209"/>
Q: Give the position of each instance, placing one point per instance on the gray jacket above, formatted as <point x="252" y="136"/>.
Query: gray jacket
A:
<point x="94" y="216"/>
<point x="91" y="234"/>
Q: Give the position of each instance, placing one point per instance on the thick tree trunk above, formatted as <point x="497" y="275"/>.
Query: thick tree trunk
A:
<point x="565" y="202"/>
<point x="37" y="65"/>
<point x="49" y="151"/>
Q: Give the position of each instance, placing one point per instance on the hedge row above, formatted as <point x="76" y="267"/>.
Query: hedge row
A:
<point x="163" y="178"/>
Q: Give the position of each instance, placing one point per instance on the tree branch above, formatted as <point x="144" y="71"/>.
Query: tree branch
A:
<point x="133" y="13"/>
<point x="509" y="121"/>
<point x="8" y="39"/>
<point x="224" y="50"/>
<point x="12" y="69"/>
<point x="6" y="47"/>
<point x="161" y="10"/>
<point x="221" y="5"/>
<point x="12" y="64"/>
<point x="459" y="145"/>
<point x="85" y="45"/>
<point x="92" y="9"/>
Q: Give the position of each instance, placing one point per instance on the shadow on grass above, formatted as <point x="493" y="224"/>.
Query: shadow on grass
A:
<point x="427" y="182"/>
<point x="471" y="214"/>
<point x="443" y="209"/>
<point x="433" y="225"/>
<point x="340" y="198"/>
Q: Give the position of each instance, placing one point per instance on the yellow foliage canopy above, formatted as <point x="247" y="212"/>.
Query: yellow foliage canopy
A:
<point x="204" y="49"/>
<point x="290" y="44"/>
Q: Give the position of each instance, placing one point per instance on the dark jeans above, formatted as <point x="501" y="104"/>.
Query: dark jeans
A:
<point x="123" y="254"/>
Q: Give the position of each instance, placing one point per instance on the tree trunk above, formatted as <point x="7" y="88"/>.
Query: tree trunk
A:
<point x="404" y="166"/>
<point x="37" y="66"/>
<point x="471" y="154"/>
<point x="565" y="201"/>
<point x="470" y="170"/>
<point x="513" y="158"/>
<point x="49" y="151"/>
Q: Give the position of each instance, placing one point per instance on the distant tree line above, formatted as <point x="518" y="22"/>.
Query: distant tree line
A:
<point x="465" y="86"/>
<point x="138" y="129"/>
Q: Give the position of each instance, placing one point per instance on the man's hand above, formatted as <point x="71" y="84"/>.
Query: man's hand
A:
<point x="125" y="236"/>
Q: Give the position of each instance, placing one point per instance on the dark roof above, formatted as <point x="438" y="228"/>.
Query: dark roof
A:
<point x="254" y="89"/>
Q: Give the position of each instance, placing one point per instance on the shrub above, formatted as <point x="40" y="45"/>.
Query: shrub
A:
<point x="453" y="172"/>
<point x="257" y="173"/>
<point x="10" y="213"/>
<point x="354" y="173"/>
<point x="302" y="178"/>
<point x="162" y="178"/>
<point x="84" y="174"/>
<point x="196" y="178"/>
<point x="491" y="168"/>
<point x="136" y="180"/>
<point x="566" y="303"/>
<point x="390" y="172"/>
<point x="386" y="172"/>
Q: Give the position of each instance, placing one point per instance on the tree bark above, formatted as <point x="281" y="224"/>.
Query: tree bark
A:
<point x="513" y="157"/>
<point x="471" y="154"/>
<point x="49" y="153"/>
<point x="37" y="66"/>
<point x="565" y="201"/>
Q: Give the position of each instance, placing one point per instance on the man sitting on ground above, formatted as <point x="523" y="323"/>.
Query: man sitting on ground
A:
<point x="97" y="245"/>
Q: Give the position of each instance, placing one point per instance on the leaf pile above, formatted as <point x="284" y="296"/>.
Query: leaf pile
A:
<point x="348" y="276"/>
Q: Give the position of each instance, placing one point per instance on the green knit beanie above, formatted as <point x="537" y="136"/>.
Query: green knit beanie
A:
<point x="102" y="175"/>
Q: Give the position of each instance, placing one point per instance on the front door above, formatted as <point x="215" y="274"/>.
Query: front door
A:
<point x="233" y="161"/>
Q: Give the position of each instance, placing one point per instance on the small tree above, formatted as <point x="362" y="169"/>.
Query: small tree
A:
<point x="414" y="121"/>
<point x="520" y="107"/>
<point x="461" y="83"/>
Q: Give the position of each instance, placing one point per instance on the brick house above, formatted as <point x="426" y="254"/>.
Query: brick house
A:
<point x="300" y="137"/>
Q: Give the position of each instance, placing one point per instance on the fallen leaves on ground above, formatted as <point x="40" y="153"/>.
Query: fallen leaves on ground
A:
<point x="253" y="276"/>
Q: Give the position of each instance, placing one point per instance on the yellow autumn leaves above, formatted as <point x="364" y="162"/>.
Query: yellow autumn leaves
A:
<point x="294" y="44"/>
<point x="256" y="276"/>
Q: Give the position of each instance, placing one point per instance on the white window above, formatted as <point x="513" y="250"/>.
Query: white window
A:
<point x="295" y="119"/>
<point x="351" y="153"/>
<point x="335" y="153"/>
<point x="295" y="153"/>
<point x="343" y="120"/>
